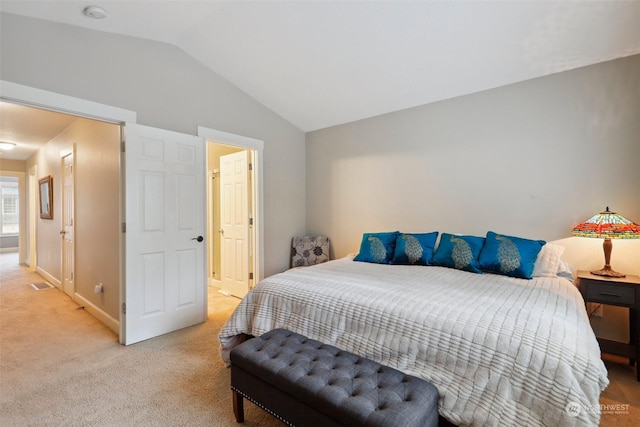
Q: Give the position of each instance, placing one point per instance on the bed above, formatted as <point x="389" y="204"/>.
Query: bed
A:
<point x="500" y="350"/>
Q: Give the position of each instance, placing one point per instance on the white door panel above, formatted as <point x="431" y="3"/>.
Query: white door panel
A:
<point x="165" y="283"/>
<point x="234" y="178"/>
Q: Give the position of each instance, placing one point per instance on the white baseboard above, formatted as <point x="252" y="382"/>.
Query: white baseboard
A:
<point x="95" y="311"/>
<point x="98" y="313"/>
<point x="49" y="278"/>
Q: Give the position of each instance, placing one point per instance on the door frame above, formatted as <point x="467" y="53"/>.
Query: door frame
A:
<point x="256" y="147"/>
<point x="32" y="219"/>
<point x="22" y="203"/>
<point x="39" y="98"/>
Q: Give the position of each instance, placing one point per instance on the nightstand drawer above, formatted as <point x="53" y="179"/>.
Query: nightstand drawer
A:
<point x="606" y="293"/>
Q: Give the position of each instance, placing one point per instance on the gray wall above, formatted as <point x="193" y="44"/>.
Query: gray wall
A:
<point x="9" y="242"/>
<point x="168" y="89"/>
<point x="530" y="159"/>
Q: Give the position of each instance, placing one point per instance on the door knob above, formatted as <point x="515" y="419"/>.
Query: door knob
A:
<point x="63" y="232"/>
<point x="199" y="238"/>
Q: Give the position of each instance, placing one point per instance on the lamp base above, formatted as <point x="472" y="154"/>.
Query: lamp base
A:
<point x="607" y="271"/>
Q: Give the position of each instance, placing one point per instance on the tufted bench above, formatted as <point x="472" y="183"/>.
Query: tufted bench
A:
<point x="305" y="382"/>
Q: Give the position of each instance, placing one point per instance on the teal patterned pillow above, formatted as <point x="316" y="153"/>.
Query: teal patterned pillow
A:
<point x="414" y="249"/>
<point x="377" y="247"/>
<point x="509" y="255"/>
<point x="459" y="252"/>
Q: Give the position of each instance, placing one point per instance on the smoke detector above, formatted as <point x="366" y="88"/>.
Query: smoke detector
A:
<point x="95" y="12"/>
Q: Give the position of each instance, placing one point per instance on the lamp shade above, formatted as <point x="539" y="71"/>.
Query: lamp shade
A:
<point x="607" y="224"/>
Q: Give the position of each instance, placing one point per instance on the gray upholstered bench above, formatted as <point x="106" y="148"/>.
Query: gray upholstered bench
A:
<point x="307" y="383"/>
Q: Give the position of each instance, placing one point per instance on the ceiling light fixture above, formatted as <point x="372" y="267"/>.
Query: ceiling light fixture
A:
<point x="95" y="12"/>
<point x="6" y="146"/>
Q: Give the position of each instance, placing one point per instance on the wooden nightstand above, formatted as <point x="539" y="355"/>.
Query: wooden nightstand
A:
<point x="623" y="292"/>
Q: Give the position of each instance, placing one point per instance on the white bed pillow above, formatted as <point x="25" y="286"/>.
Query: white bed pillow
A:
<point x="548" y="261"/>
<point x="567" y="271"/>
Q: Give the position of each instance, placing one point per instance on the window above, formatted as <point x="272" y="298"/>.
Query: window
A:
<point x="9" y="206"/>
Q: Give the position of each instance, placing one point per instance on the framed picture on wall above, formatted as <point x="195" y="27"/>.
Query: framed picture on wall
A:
<point x="46" y="197"/>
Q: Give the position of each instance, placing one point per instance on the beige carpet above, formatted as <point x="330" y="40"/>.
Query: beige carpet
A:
<point x="59" y="366"/>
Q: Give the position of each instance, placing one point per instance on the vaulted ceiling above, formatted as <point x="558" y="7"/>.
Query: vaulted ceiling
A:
<point x="324" y="63"/>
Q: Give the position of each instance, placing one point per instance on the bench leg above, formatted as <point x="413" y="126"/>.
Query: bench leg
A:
<point x="238" y="406"/>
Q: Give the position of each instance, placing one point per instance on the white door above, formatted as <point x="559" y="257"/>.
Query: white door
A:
<point x="234" y="220"/>
<point x="165" y="284"/>
<point x="67" y="232"/>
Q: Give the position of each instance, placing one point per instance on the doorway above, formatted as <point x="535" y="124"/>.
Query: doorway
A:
<point x="47" y="138"/>
<point x="107" y="306"/>
<point x="230" y="216"/>
<point x="11" y="195"/>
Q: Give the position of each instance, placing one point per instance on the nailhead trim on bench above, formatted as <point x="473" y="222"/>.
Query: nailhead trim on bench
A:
<point x="255" y="402"/>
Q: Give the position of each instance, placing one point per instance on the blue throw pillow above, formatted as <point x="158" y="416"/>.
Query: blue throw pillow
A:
<point x="377" y="247"/>
<point x="509" y="255"/>
<point x="414" y="249"/>
<point x="459" y="252"/>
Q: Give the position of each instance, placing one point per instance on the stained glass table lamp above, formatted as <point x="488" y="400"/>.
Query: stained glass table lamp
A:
<point x="609" y="225"/>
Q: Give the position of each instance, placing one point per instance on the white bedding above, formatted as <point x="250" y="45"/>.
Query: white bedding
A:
<point x="501" y="351"/>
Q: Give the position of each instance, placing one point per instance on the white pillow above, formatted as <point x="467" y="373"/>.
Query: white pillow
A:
<point x="548" y="261"/>
<point x="567" y="271"/>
